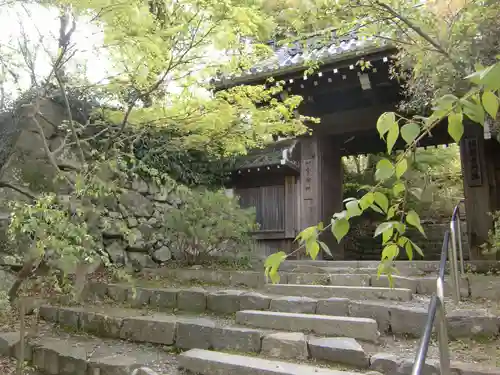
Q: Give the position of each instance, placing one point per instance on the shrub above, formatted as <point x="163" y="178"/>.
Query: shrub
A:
<point x="493" y="244"/>
<point x="208" y="222"/>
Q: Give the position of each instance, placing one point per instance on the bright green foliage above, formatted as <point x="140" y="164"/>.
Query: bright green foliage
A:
<point x="385" y="122"/>
<point x="413" y="219"/>
<point x="401" y="167"/>
<point x="455" y="125"/>
<point x="490" y="103"/>
<point x="410" y="132"/>
<point x="63" y="231"/>
<point x="340" y="227"/>
<point x="47" y="225"/>
<point x="385" y="170"/>
<point x="272" y="264"/>
<point x="493" y="244"/>
<point x="309" y="239"/>
<point x="208" y="222"/>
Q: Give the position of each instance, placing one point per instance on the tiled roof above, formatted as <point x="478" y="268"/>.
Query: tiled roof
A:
<point x="293" y="57"/>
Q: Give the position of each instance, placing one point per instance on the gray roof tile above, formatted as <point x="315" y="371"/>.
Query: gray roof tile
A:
<point x="295" y="55"/>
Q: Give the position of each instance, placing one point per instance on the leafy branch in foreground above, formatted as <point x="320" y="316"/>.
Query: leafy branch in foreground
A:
<point x="481" y="101"/>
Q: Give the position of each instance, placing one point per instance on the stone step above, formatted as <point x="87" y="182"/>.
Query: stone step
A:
<point x="206" y="362"/>
<point x="474" y="286"/>
<point x="352" y="292"/>
<point x="391" y="316"/>
<point x="188" y="332"/>
<point x="192" y="332"/>
<point x="406" y="268"/>
<point x="67" y="354"/>
<point x="359" y="328"/>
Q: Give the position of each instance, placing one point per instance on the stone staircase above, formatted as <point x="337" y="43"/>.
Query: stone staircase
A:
<point x="315" y="322"/>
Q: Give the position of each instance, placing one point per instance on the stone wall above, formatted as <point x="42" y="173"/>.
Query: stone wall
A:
<point x="131" y="226"/>
<point x="134" y="232"/>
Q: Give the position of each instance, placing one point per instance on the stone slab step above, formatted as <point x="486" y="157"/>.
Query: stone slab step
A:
<point x="206" y="362"/>
<point x="388" y="363"/>
<point x="359" y="328"/>
<point x="352" y="292"/>
<point x="405" y="267"/>
<point x="188" y="332"/>
<point x="391" y="316"/>
<point x="67" y="354"/>
<point x="470" y="286"/>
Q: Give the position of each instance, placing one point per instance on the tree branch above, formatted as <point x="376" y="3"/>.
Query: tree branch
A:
<point x="70" y="117"/>
<point x="415" y="28"/>
<point x="19" y="189"/>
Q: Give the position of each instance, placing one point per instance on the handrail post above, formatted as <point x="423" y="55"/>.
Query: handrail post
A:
<point x="453" y="263"/>
<point x="442" y="330"/>
<point x="460" y="245"/>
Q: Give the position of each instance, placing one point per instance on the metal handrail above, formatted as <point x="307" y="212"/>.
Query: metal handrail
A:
<point x="456" y="232"/>
<point x="436" y="305"/>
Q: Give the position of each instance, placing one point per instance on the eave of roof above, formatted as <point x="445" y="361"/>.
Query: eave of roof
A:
<point x="274" y="155"/>
<point x="279" y="71"/>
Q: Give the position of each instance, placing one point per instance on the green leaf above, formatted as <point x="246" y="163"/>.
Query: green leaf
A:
<point x="275" y="260"/>
<point x="455" y="126"/>
<point x="413" y="219"/>
<point x="490" y="103"/>
<point x="340" y="227"/>
<point x="366" y="200"/>
<point x="446" y="102"/>
<point x="385" y="267"/>
<point x="274" y="275"/>
<point x="401" y="167"/>
<point x="340" y="215"/>
<point x="390" y="252"/>
<point x="376" y="208"/>
<point x="476" y="76"/>
<point x="272" y="264"/>
<point x="381" y="228"/>
<point x="402" y="240"/>
<point x="398" y="188"/>
<point x="410" y="132"/>
<point x="400" y="227"/>
<point x="392" y="137"/>
<point x="312" y="248"/>
<point x="384" y="170"/>
<point x="307" y="234"/>
<point x="387" y="236"/>
<point x="353" y="209"/>
<point x="416" y="248"/>
<point x="490" y="77"/>
<point x="474" y="111"/>
<point x="417" y="192"/>
<point x="391" y="212"/>
<point x="382" y="201"/>
<point x="385" y="122"/>
<point x="325" y="248"/>
<point x="409" y="250"/>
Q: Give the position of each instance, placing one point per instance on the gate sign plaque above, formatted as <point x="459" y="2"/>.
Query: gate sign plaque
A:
<point x="473" y="172"/>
